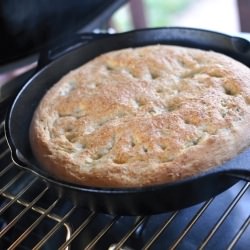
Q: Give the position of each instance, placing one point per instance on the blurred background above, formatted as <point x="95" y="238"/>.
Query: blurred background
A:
<point x="218" y="15"/>
<point x="226" y="16"/>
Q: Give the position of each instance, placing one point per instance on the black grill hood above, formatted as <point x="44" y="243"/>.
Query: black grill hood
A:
<point x="27" y="26"/>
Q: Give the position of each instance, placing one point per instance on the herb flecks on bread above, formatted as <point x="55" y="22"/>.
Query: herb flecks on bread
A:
<point x="143" y="116"/>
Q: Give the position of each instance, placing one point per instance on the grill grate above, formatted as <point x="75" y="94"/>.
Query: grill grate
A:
<point x="32" y="216"/>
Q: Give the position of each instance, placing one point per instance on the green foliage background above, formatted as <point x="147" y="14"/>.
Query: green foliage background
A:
<point x="158" y="13"/>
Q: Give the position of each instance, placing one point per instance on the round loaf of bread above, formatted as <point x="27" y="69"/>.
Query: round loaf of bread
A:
<point x="143" y="116"/>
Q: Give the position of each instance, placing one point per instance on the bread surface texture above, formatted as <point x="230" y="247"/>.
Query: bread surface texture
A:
<point x="143" y="116"/>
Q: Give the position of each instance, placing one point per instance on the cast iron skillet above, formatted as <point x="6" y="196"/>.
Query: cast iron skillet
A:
<point x="129" y="201"/>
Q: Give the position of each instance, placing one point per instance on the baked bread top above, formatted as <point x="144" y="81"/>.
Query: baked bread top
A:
<point x="143" y="116"/>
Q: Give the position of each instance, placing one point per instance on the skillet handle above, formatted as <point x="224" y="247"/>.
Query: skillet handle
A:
<point x="56" y="50"/>
<point x="238" y="167"/>
<point x="241" y="175"/>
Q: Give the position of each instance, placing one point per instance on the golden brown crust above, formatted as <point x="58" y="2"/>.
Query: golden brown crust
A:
<point x="144" y="116"/>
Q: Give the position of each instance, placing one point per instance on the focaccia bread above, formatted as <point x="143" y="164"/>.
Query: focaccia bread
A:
<point x="143" y="116"/>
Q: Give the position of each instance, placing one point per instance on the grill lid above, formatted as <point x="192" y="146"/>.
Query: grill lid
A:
<point x="28" y="26"/>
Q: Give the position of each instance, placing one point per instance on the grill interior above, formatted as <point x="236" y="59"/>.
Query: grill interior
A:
<point x="32" y="216"/>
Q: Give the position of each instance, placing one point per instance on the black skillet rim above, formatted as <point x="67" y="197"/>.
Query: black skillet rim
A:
<point x="45" y="175"/>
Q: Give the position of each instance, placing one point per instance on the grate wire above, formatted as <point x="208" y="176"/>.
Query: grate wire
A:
<point x="224" y="216"/>
<point x="72" y="233"/>
<point x="243" y="228"/>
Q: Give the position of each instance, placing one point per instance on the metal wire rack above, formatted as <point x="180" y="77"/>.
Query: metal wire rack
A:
<point x="33" y="217"/>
